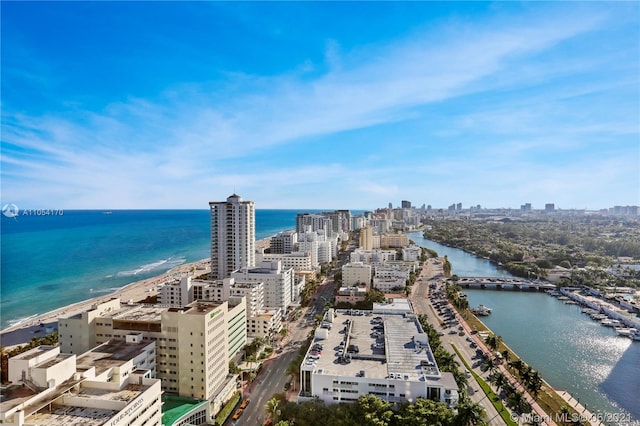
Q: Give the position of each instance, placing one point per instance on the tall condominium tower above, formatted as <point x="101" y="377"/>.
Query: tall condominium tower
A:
<point x="233" y="236"/>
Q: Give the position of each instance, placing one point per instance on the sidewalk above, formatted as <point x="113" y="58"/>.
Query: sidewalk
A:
<point x="584" y="414"/>
<point x="512" y="380"/>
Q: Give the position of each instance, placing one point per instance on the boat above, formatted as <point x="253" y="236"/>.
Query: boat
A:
<point x="627" y="332"/>
<point x="481" y="310"/>
<point x="107" y="212"/>
<point x="610" y="322"/>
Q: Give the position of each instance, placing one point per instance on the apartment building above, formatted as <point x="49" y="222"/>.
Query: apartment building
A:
<point x="300" y="261"/>
<point x="233" y="236"/>
<point x="284" y="242"/>
<point x="278" y="283"/>
<point x="399" y="239"/>
<point x="355" y="273"/>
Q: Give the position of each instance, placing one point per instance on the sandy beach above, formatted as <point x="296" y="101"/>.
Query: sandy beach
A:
<point x="137" y="291"/>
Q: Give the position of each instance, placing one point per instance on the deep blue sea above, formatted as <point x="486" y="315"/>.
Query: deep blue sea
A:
<point x="51" y="261"/>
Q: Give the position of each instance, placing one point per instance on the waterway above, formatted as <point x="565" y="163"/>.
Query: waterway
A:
<point x="570" y="350"/>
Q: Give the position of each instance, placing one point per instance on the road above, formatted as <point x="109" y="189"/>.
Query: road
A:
<point x="273" y="376"/>
<point x="423" y="305"/>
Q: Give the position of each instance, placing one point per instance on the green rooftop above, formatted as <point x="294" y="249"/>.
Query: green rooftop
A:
<point x="174" y="407"/>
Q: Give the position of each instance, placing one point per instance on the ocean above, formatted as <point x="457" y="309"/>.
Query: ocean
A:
<point x="50" y="261"/>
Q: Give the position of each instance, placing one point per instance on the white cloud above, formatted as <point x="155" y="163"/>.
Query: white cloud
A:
<point x="187" y="145"/>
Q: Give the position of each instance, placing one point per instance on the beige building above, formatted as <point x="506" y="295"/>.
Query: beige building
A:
<point x="109" y="385"/>
<point x="192" y="342"/>
<point x="366" y="238"/>
<point x="355" y="273"/>
<point x="399" y="239"/>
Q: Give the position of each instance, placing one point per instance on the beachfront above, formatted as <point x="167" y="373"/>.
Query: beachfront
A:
<point x="138" y="291"/>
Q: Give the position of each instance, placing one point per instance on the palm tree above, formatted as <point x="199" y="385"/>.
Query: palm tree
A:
<point x="515" y="400"/>
<point x="499" y="379"/>
<point x="535" y="383"/>
<point x="517" y="364"/>
<point x="498" y="341"/>
<point x="491" y="341"/>
<point x="506" y="355"/>
<point x="488" y="364"/>
<point x="272" y="409"/>
<point x="446" y="361"/>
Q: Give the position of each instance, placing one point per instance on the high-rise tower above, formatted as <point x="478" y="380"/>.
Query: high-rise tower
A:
<point x="233" y="236"/>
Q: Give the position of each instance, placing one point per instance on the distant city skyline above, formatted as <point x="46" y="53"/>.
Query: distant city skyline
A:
<point x="320" y="105"/>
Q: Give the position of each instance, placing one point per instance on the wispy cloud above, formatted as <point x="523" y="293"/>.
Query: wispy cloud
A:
<point x="185" y="145"/>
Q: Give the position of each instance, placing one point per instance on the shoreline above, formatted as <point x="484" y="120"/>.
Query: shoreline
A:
<point x="42" y="324"/>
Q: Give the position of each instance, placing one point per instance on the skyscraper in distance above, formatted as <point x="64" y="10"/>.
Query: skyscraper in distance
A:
<point x="233" y="236"/>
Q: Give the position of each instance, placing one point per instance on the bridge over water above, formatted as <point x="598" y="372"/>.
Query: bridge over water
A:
<point x="501" y="283"/>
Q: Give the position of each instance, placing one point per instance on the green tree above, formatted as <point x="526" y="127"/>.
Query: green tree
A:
<point x="426" y="412"/>
<point x="446" y="266"/>
<point x="470" y="413"/>
<point x="373" y="411"/>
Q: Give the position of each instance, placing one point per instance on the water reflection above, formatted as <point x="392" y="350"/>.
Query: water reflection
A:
<point x="569" y="349"/>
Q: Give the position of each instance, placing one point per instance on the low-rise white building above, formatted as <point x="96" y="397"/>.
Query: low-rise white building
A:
<point x="300" y="261"/>
<point x="373" y="257"/>
<point x="386" y="355"/>
<point x="412" y="253"/>
<point x="265" y="323"/>
<point x="109" y="385"/>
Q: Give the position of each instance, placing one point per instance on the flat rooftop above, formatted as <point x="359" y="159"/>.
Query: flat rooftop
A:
<point x="147" y="313"/>
<point x="49" y="411"/>
<point x="72" y="416"/>
<point x="388" y="346"/>
<point x="113" y="353"/>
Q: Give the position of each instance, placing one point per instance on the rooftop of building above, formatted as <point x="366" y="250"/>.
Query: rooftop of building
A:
<point x="384" y="346"/>
<point x="399" y="305"/>
<point x="32" y="353"/>
<point x="142" y="312"/>
<point x="72" y="415"/>
<point x="197" y="308"/>
<point x="113" y="353"/>
<point x="47" y="410"/>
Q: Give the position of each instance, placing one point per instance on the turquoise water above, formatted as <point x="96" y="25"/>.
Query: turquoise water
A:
<point x="570" y="350"/>
<point x="52" y="261"/>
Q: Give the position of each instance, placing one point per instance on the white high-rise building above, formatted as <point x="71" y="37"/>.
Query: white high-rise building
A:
<point x="278" y="283"/>
<point x="233" y="236"/>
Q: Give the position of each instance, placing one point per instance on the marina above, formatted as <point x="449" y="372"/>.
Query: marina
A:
<point x="572" y="352"/>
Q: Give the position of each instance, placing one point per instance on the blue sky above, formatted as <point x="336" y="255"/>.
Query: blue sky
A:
<point x="320" y="105"/>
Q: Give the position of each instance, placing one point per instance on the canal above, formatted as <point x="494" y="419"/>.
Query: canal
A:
<point x="570" y="350"/>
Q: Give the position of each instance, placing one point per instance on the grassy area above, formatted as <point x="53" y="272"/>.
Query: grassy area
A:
<point x="547" y="398"/>
<point x="224" y="414"/>
<point x="495" y="399"/>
